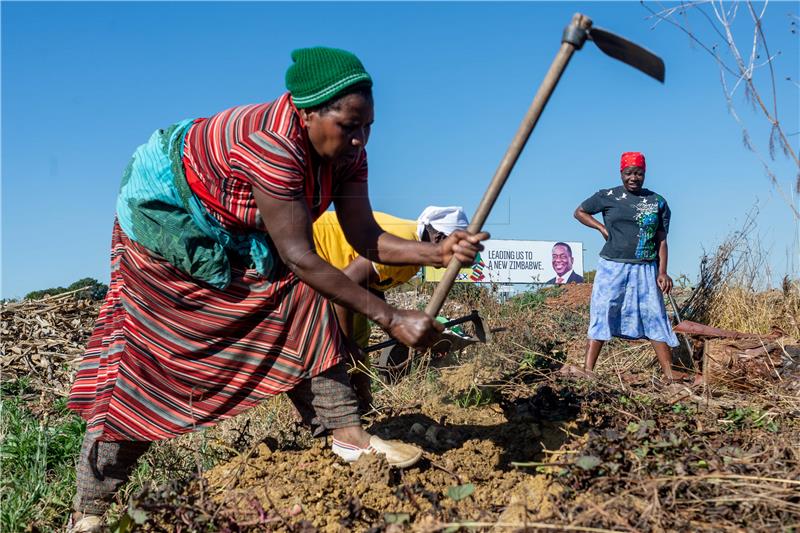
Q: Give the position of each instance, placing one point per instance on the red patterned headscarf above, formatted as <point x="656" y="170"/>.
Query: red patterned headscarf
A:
<point x="632" y="159"/>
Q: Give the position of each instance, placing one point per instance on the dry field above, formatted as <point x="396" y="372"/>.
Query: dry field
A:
<point x="508" y="444"/>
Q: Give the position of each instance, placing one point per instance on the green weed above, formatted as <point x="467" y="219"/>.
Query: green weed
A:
<point x="16" y="387"/>
<point x="539" y="361"/>
<point x="475" y="397"/>
<point x="644" y="399"/>
<point x="688" y="410"/>
<point x="532" y="361"/>
<point x="38" y="466"/>
<point x="750" y="417"/>
<point x="532" y="299"/>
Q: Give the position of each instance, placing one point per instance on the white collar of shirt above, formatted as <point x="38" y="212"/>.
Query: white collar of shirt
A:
<point x="565" y="277"/>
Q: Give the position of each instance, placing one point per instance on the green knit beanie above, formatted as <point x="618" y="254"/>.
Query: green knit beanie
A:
<point x="318" y="74"/>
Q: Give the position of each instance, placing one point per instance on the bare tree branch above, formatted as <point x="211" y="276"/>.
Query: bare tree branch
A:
<point x="742" y="71"/>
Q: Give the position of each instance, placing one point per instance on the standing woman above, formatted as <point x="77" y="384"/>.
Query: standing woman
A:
<point x="632" y="270"/>
<point x="218" y="298"/>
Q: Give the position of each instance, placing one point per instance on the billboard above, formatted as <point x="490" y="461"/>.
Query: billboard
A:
<point x="511" y="261"/>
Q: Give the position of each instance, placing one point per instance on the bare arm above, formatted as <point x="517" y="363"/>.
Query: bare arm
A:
<point x="588" y="220"/>
<point x="369" y="240"/>
<point x="664" y="281"/>
<point x="361" y="272"/>
<point x="289" y="226"/>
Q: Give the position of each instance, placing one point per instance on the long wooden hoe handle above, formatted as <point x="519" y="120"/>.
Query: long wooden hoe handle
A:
<point x="512" y="154"/>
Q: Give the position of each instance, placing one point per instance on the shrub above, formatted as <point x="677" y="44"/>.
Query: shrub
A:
<point x="93" y="289"/>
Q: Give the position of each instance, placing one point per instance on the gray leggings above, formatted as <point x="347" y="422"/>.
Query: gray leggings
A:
<point x="325" y="402"/>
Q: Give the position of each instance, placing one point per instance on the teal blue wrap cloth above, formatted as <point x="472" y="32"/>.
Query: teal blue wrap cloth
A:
<point x="157" y="209"/>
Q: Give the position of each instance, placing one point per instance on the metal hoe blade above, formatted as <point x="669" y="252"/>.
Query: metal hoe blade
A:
<point x="628" y="52"/>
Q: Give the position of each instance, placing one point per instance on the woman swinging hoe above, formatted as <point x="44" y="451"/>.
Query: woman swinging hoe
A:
<point x="218" y="298"/>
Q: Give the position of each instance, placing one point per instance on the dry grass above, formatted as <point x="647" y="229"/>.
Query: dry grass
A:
<point x="736" y="289"/>
<point x="743" y="309"/>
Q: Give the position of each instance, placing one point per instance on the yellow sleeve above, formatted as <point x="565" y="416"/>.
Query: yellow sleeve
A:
<point x="330" y="242"/>
<point x="390" y="276"/>
<point x="332" y="246"/>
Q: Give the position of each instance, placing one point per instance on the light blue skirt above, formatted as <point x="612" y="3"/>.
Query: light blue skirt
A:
<point x="627" y="303"/>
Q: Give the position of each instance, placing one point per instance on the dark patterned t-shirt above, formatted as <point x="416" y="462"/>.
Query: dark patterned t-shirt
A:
<point x="632" y="221"/>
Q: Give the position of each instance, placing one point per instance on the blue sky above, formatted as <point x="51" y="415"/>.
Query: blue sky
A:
<point x="83" y="84"/>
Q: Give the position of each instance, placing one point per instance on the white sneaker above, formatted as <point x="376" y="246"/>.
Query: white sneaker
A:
<point x="88" y="524"/>
<point x="397" y="453"/>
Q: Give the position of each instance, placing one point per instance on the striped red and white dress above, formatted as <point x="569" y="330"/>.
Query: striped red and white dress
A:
<point x="168" y="354"/>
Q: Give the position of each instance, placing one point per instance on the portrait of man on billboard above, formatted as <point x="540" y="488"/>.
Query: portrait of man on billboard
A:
<point x="562" y="264"/>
